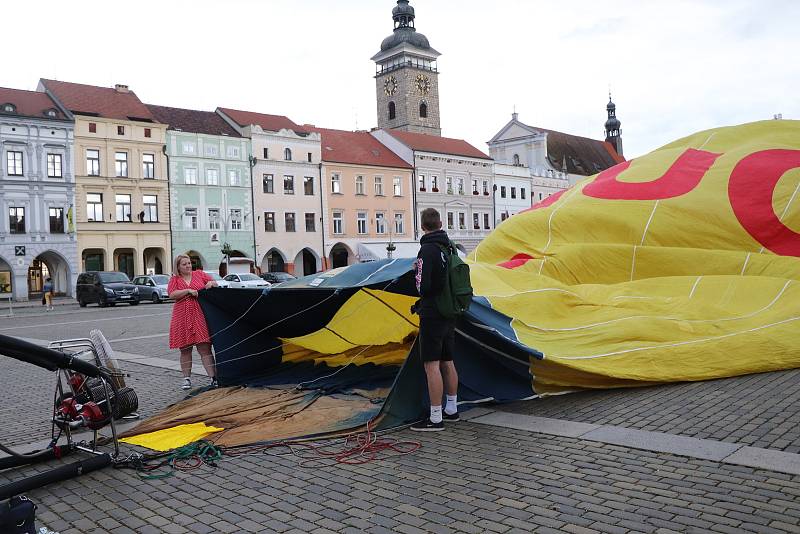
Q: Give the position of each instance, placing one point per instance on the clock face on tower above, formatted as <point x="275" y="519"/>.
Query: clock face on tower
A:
<point x="390" y="85"/>
<point x="423" y="84"/>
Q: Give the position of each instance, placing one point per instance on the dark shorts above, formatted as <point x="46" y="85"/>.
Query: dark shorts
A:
<point x="436" y="339"/>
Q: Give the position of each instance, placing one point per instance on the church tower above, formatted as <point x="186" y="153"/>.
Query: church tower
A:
<point x="613" y="135"/>
<point x="406" y="79"/>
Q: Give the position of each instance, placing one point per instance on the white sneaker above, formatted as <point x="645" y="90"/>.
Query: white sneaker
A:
<point x="187" y="383"/>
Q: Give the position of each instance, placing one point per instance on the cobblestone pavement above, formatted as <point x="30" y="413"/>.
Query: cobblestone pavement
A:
<point x="758" y="410"/>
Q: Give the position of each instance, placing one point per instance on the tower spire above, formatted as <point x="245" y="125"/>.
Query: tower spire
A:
<point x="612" y="126"/>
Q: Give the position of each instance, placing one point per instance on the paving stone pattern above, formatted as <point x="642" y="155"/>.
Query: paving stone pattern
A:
<point x="758" y="410"/>
<point x="468" y="479"/>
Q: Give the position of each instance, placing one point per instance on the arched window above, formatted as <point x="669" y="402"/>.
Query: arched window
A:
<point x="392" y="113"/>
<point x="423" y="110"/>
<point x="287" y="154"/>
<point x="516" y="159"/>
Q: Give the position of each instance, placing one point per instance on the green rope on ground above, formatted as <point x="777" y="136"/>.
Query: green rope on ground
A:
<point x="184" y="458"/>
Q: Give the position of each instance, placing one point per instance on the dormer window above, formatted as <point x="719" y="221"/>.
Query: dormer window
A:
<point x="9" y="108"/>
<point x="51" y="113"/>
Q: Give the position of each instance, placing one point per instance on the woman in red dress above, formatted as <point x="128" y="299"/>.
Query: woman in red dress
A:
<point x="188" y="327"/>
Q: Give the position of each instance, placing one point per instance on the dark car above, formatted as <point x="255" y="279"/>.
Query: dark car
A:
<point x="277" y="277"/>
<point x="152" y="287"/>
<point x="106" y="288"/>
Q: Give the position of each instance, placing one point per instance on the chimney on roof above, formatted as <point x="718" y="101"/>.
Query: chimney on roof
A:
<point x="120" y="88"/>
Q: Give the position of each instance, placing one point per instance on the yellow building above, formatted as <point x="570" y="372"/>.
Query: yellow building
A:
<point x="122" y="199"/>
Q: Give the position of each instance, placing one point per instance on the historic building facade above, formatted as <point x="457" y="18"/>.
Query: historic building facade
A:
<point x="211" y="209"/>
<point x="452" y="176"/>
<point x="368" y="200"/>
<point x="286" y="191"/>
<point x="122" y="205"/>
<point x="512" y="190"/>
<point x="37" y="196"/>
<point x="406" y="78"/>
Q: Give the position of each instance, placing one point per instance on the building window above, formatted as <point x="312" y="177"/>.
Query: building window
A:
<point x="380" y="223"/>
<point x="213" y="219"/>
<point x="92" y="127"/>
<point x="486" y="221"/>
<point x="211" y="150"/>
<point x="236" y="219"/>
<point x="188" y="148"/>
<point x="540" y="195"/>
<point x="234" y="178"/>
<point x="516" y="159"/>
<point x="94" y="207"/>
<point x="392" y="111"/>
<point x="397" y="186"/>
<point x="233" y="152"/>
<point x="336" y="183"/>
<point x="399" y="224"/>
<point x="269" y="221"/>
<point x="462" y="221"/>
<point x="435" y="184"/>
<point x="190" y="218"/>
<point x="121" y="164"/>
<point x="123" y="208"/>
<point x="14" y="160"/>
<point x="359" y="185"/>
<point x="522" y="193"/>
<point x="269" y="183"/>
<point x="485" y="187"/>
<point x="311" y="222"/>
<point x="150" y="208"/>
<point x="308" y="185"/>
<point x="287" y="154"/>
<point x="449" y="220"/>
<point x="476" y="221"/>
<point x="423" y="110"/>
<point x="148" y="132"/>
<point x="502" y="191"/>
<point x="460" y="186"/>
<point x="361" y="222"/>
<point x="212" y="176"/>
<point x="54" y="166"/>
<point x="16" y="220"/>
<point x="337" y="223"/>
<point x="503" y="216"/>
<point x="421" y="182"/>
<point x="148" y="166"/>
<point x="513" y="192"/>
<point x="379" y="186"/>
<point x="289" y="221"/>
<point x="449" y="184"/>
<point x="190" y="176"/>
<point x="266" y="153"/>
<point x="309" y="157"/>
<point x="288" y="185"/>
<point x="120" y="130"/>
<point x="56" y="220"/>
<point x="93" y="163"/>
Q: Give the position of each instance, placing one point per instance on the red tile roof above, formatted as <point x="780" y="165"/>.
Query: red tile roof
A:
<point x="272" y="123"/>
<point x="28" y="103"/>
<point x="359" y="148"/>
<point x="441" y="145"/>
<point x="189" y="120"/>
<point x="582" y="155"/>
<point x="104" y="102"/>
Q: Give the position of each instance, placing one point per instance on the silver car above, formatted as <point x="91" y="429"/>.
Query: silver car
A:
<point x="245" y="280"/>
<point x="152" y="287"/>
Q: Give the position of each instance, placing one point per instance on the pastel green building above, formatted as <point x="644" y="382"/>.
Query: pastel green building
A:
<point x="211" y="211"/>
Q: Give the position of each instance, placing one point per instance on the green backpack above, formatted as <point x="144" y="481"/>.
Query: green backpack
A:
<point x="456" y="295"/>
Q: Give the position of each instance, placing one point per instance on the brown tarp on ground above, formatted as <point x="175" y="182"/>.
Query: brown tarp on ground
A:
<point x="251" y="415"/>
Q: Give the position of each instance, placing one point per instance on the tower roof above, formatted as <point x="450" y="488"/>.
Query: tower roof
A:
<point x="404" y="31"/>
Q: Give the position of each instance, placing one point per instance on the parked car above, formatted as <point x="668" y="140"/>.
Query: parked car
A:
<point x="152" y="287"/>
<point x="277" y="277"/>
<point x="245" y="280"/>
<point x="221" y="282"/>
<point x="105" y="288"/>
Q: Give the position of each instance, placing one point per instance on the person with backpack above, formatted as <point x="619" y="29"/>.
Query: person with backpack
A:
<point x="442" y="281"/>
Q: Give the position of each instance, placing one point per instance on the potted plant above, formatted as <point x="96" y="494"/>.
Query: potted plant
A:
<point x="435" y="189"/>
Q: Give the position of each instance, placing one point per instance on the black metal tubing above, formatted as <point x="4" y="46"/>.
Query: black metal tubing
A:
<point x="47" y="358"/>
<point x="58" y="474"/>
<point x="36" y="456"/>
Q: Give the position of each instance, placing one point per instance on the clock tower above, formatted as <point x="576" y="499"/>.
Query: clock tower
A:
<point x="406" y="78"/>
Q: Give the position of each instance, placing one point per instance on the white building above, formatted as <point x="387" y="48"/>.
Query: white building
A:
<point x="37" y="196"/>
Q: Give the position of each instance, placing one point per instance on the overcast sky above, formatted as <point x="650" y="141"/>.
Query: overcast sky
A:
<point x="674" y="67"/>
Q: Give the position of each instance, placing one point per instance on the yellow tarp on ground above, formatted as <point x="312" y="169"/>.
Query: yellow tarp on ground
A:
<point x="171" y="438"/>
<point x="680" y="265"/>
